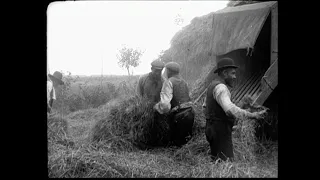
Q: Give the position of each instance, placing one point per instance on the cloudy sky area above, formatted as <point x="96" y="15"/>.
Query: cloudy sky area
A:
<point x="83" y="35"/>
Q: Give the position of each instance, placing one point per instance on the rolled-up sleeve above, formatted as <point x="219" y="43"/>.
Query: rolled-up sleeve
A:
<point x="164" y="105"/>
<point x="223" y="97"/>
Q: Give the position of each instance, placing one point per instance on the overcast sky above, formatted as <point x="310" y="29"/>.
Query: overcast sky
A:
<point x="81" y="35"/>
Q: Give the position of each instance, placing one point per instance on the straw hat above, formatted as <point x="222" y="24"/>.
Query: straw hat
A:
<point x="57" y="76"/>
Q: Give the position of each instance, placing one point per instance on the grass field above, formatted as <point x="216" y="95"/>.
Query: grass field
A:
<point x="71" y="153"/>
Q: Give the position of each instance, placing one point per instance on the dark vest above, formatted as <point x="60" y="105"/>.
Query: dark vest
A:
<point x="214" y="111"/>
<point x="180" y="91"/>
<point x="151" y="88"/>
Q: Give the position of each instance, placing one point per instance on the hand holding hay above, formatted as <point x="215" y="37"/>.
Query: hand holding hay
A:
<point x="258" y="111"/>
<point x="244" y="139"/>
<point x="260" y="114"/>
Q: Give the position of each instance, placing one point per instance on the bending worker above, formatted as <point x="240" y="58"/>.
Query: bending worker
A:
<point x="175" y="100"/>
<point x="221" y="113"/>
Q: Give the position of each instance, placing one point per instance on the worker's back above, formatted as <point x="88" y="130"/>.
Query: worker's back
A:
<point x="150" y="88"/>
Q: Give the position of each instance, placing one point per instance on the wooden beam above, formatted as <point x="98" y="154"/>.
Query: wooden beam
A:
<point x="268" y="83"/>
<point x="274" y="33"/>
<point x="200" y="95"/>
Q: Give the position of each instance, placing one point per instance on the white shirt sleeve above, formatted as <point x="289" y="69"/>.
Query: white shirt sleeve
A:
<point x="53" y="93"/>
<point x="49" y="86"/>
<point x="49" y="89"/>
<point x="223" y="96"/>
<point x="166" y="94"/>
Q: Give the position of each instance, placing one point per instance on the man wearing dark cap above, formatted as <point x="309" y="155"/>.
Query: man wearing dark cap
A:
<point x="149" y="85"/>
<point x="53" y="81"/>
<point x="221" y="113"/>
<point x="175" y="100"/>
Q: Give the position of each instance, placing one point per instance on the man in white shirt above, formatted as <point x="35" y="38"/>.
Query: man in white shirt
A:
<point x="221" y="113"/>
<point x="53" y="81"/>
<point x="175" y="100"/>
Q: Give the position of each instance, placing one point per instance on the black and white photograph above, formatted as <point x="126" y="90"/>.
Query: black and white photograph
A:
<point x="162" y="89"/>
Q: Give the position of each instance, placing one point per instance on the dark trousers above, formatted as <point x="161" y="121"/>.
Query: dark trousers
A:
<point x="181" y="124"/>
<point x="219" y="136"/>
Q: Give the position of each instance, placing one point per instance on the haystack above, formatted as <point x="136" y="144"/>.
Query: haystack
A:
<point x="131" y="123"/>
<point x="190" y="47"/>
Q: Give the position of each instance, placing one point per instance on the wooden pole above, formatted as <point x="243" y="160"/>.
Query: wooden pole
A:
<point x="201" y="95"/>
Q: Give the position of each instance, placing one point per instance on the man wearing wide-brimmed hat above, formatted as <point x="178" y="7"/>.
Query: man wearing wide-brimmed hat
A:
<point x="53" y="81"/>
<point x="149" y="85"/>
<point x="221" y="112"/>
<point x="175" y="101"/>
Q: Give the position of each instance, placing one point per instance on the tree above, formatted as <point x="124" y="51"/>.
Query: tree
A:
<point x="129" y="57"/>
<point x="178" y="20"/>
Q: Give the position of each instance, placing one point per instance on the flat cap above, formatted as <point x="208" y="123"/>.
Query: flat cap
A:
<point x="173" y="66"/>
<point x="157" y="64"/>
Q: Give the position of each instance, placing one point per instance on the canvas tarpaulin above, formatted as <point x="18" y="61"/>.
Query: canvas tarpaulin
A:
<point x="238" y="27"/>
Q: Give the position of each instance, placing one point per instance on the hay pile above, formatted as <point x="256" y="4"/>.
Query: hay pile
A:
<point x="245" y="142"/>
<point x="130" y="124"/>
<point x="57" y="132"/>
<point x="105" y="157"/>
<point x="191" y="47"/>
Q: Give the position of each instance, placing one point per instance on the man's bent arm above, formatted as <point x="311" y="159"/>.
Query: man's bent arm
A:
<point x="223" y="97"/>
<point x="166" y="95"/>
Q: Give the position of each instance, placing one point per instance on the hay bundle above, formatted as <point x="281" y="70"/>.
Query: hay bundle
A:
<point x="132" y="120"/>
<point x="244" y="139"/>
<point x="193" y="151"/>
<point x="57" y="126"/>
<point x="101" y="131"/>
<point x="57" y="130"/>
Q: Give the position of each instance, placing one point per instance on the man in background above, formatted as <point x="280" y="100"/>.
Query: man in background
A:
<point x="149" y="85"/>
<point x="53" y="81"/>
